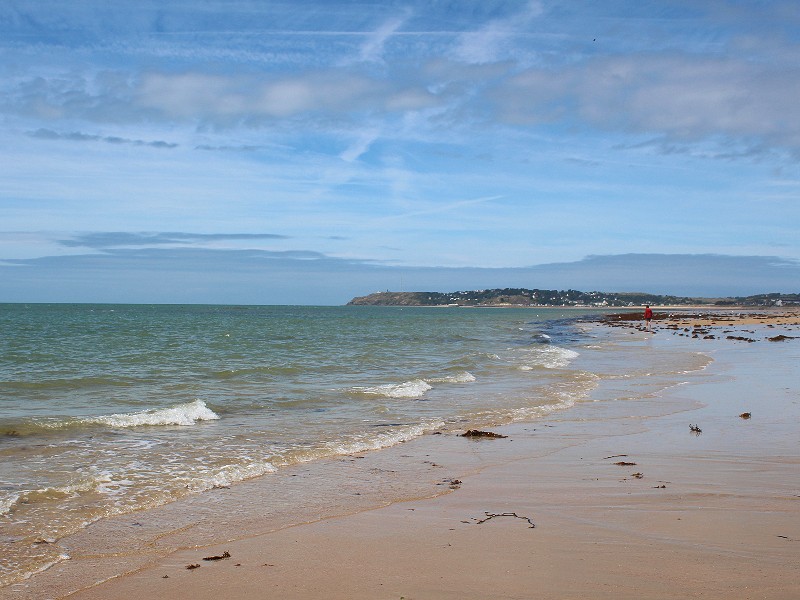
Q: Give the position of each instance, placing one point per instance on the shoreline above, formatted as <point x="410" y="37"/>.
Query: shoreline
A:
<point x="712" y="323"/>
<point x="600" y="530"/>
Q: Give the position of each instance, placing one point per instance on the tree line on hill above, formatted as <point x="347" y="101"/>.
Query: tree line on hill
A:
<point x="537" y="297"/>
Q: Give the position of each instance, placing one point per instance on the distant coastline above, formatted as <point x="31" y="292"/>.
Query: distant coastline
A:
<point x="516" y="297"/>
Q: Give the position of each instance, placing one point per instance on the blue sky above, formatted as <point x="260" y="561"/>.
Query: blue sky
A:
<point x="310" y="151"/>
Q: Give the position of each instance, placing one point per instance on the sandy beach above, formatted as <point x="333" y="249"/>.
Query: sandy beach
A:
<point x="691" y="492"/>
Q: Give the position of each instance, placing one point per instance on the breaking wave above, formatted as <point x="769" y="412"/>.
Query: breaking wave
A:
<point x="549" y="357"/>
<point x="189" y="413"/>
<point x="183" y="414"/>
<point x="415" y="388"/>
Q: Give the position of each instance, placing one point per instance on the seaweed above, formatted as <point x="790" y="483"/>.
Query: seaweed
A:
<point x="508" y="514"/>
<point x="475" y="433"/>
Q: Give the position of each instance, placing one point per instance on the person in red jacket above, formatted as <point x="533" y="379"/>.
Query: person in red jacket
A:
<point x="648" y="316"/>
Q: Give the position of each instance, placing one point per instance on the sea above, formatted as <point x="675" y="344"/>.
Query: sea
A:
<point x="108" y="410"/>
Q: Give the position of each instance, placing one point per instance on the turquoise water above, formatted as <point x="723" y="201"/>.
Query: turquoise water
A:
<point x="107" y="409"/>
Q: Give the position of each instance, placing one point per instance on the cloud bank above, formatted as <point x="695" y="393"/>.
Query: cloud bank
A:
<point x="152" y="274"/>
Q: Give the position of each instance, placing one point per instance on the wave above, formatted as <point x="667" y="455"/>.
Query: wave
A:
<point x="350" y="444"/>
<point x="558" y="396"/>
<point x="183" y="414"/>
<point x="53" y="493"/>
<point x="370" y="441"/>
<point x="463" y="377"/>
<point x="186" y="414"/>
<point x="415" y="388"/>
<point x="230" y="474"/>
<point x="549" y="357"/>
<point x="538" y="337"/>
<point x="408" y="389"/>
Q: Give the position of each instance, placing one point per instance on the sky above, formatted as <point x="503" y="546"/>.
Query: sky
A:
<point x="310" y="151"/>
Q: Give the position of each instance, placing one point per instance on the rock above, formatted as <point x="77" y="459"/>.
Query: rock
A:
<point x="780" y="338"/>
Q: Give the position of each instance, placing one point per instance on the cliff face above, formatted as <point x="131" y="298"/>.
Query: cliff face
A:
<point x="397" y="299"/>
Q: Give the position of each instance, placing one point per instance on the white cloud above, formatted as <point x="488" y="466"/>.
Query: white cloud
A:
<point x="679" y="96"/>
<point x="227" y="100"/>
<point x="360" y="146"/>
<point x="494" y="40"/>
<point x="372" y="49"/>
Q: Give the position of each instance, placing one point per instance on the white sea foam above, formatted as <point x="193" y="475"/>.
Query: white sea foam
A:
<point x="183" y="414"/>
<point x="32" y="496"/>
<point x="549" y="357"/>
<point x="8" y="502"/>
<point x="359" y="442"/>
<point x="415" y="388"/>
<point x="408" y="389"/>
<point x="43" y="567"/>
<point x="536" y="412"/>
<point x="565" y="396"/>
<point x="109" y="486"/>
<point x="463" y="377"/>
<point x="230" y="474"/>
<point x="365" y="442"/>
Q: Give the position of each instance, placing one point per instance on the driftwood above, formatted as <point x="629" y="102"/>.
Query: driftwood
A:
<point x="746" y="415"/>
<point x="190" y="567"/>
<point x="511" y="514"/>
<point x="482" y="434"/>
<point x="623" y="463"/>
<point x="222" y="556"/>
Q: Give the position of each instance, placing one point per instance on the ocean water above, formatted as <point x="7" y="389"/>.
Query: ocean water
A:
<point x="110" y="409"/>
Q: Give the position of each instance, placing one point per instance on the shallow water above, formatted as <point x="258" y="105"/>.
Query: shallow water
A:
<point x="105" y="410"/>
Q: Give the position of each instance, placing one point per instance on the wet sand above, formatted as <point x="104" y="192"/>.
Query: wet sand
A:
<point x="627" y="502"/>
<point x="719" y="319"/>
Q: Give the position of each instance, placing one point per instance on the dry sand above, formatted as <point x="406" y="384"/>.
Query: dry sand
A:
<point x="714" y="514"/>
